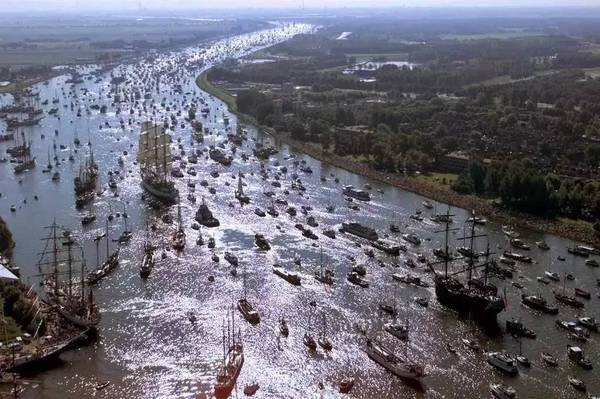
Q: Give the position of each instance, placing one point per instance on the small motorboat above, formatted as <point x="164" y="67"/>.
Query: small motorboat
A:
<point x="582" y="293"/>
<point x="422" y="301"/>
<point x="577" y="384"/>
<point x="346" y="385"/>
<point x="101" y="385"/>
<point x="549" y="360"/>
<point x="451" y="348"/>
<point x="250" y="389"/>
<point x="523" y="361"/>
<point x="471" y="344"/>
<point x="501" y="391"/>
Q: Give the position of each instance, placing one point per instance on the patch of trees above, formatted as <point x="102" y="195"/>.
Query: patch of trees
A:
<point x="521" y="186"/>
<point x="6" y="241"/>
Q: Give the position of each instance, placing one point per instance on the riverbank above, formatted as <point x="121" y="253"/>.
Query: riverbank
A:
<point x="570" y="229"/>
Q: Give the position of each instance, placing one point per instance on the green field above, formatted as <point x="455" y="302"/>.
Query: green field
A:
<point x="439" y="179"/>
<point x="389" y="56"/>
<point x="490" y="35"/>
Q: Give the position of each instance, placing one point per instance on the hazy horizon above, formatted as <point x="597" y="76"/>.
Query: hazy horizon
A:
<point x="116" y="5"/>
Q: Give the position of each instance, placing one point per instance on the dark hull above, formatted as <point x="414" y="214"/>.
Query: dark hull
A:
<point x="466" y="302"/>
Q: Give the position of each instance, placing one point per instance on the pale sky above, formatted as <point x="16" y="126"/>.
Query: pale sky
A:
<point x="20" y="5"/>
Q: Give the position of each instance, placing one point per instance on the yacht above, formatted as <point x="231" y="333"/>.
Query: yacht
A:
<point x="261" y="242"/>
<point x="309" y="341"/>
<point x="290" y="277"/>
<point x="503" y="362"/>
<point x="397" y="330"/>
<point x="588" y="322"/>
<point x="501" y="391"/>
<point x="355" y="278"/>
<point x="412" y="238"/>
<point x="360" y="195"/>
<point x="550" y="360"/>
<point x="231" y="258"/>
<point x="248" y="311"/>
<point x="283" y="327"/>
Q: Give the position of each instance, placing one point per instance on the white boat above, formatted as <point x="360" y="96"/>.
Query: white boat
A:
<point x="501" y="391"/>
<point x="503" y="362"/>
<point x="399" y="367"/>
<point x="397" y="330"/>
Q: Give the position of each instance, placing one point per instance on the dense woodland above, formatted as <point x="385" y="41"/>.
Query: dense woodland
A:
<point x="529" y="104"/>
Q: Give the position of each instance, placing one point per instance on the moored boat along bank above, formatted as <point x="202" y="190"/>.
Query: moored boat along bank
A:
<point x="566" y="229"/>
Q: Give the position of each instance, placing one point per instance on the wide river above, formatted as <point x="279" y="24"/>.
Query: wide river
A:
<point x="149" y="349"/>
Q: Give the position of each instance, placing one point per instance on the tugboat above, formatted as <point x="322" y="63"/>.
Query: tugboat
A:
<point x="261" y="242"/>
<point x="233" y="360"/>
<point x="154" y="158"/>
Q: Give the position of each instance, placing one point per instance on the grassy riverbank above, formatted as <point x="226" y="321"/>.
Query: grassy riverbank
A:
<point x="428" y="186"/>
<point x="203" y="82"/>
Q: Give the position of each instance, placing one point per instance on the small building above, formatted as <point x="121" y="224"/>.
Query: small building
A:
<point x="454" y="162"/>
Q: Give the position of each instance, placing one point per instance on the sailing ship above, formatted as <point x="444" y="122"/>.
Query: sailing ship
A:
<point x="85" y="182"/>
<point x="148" y="259"/>
<point x="246" y="308"/>
<point x="22" y="152"/>
<point x="154" y="157"/>
<point x="61" y="287"/>
<point x="179" y="235"/>
<point x="481" y="303"/>
<point x="233" y="360"/>
<point x="111" y="262"/>
<point x="400" y="367"/>
<point x="239" y="192"/>
<point x="324" y="276"/>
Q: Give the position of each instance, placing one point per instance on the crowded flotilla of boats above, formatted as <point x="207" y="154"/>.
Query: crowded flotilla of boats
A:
<point x="163" y="160"/>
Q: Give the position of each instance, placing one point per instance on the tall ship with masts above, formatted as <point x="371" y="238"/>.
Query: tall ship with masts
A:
<point x="154" y="157"/>
<point x="110" y="263"/>
<point x="475" y="298"/>
<point x="62" y="268"/>
<point x="22" y="152"/>
<point x="85" y="181"/>
<point x="233" y="359"/>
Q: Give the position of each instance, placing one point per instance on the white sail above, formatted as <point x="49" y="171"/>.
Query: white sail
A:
<point x="154" y="152"/>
